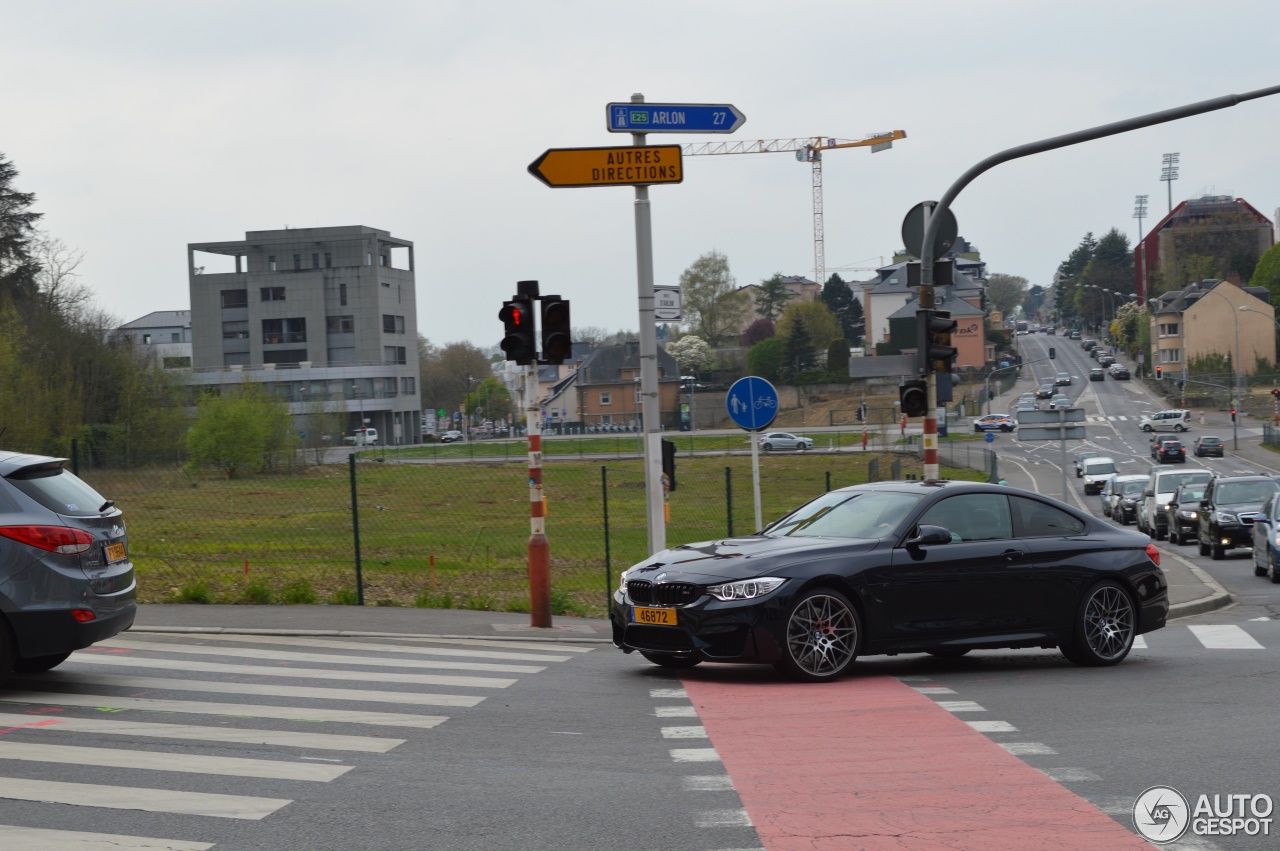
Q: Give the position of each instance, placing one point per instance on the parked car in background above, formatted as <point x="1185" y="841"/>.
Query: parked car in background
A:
<point x="1105" y="360"/>
<point x="1159" y="490"/>
<point x="995" y="422"/>
<point x="1119" y="372"/>
<point x="1266" y="540"/>
<point x="786" y="595"/>
<point x="450" y="436"/>
<point x="784" y="440"/>
<point x="1230" y="506"/>
<point x="1126" y="493"/>
<point x="363" y="437"/>
<point x="1182" y="513"/>
<point x="1096" y="471"/>
<point x="66" y="579"/>
<point x="1097" y="374"/>
<point x="1073" y="335"/>
<point x="1088" y="345"/>
<point x="1207" y="445"/>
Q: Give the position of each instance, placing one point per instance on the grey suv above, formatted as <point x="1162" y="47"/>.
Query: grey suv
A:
<point x="66" y="580"/>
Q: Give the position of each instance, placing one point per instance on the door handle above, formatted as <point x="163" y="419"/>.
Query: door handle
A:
<point x="1012" y="554"/>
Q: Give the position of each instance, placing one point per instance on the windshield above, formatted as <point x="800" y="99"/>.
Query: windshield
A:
<point x="1238" y="493"/>
<point x="1170" y="482"/>
<point x="1132" y="488"/>
<point x="1191" y="495"/>
<point x="847" y="514"/>
<point x="1092" y="468"/>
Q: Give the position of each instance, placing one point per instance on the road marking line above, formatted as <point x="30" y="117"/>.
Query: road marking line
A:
<point x="12" y="836"/>
<point x="992" y="726"/>
<point x="317" y="658"/>
<point x="934" y="689"/>
<point x="1069" y="775"/>
<point x="684" y="732"/>
<point x="1026" y="748"/>
<point x="303" y="673"/>
<point x="695" y="755"/>
<point x="1140" y="642"/>
<point x="246" y="710"/>
<point x="675" y="712"/>
<point x="279" y="738"/>
<point x="147" y="800"/>
<point x="187" y="763"/>
<point x="667" y="692"/>
<point x="338" y="644"/>
<point x="308" y="692"/>
<point x="722" y="818"/>
<point x="707" y="783"/>
<point x="480" y="642"/>
<point x="1224" y="637"/>
<point x="960" y="706"/>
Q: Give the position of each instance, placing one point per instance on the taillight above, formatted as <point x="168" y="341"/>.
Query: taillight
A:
<point x="1153" y="553"/>
<point x="83" y="615"/>
<point x="55" y="539"/>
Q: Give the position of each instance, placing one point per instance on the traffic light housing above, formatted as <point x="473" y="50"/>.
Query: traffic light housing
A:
<point x="1276" y="392"/>
<point x="520" y="338"/>
<point x="933" y="339"/>
<point x="1233" y="413"/>
<point x="913" y="397"/>
<point x="557" y="342"/>
<point x="1159" y="373"/>
<point x="1052" y="354"/>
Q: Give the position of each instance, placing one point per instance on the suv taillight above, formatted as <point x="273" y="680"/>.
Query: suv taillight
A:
<point x="1153" y="553"/>
<point x="55" y="539"/>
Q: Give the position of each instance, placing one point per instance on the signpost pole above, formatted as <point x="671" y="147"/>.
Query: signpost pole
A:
<point x="755" y="480"/>
<point x="539" y="547"/>
<point x="1062" y="426"/>
<point x="650" y="406"/>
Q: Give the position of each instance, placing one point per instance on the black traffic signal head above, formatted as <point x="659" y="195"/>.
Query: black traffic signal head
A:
<point x="520" y="339"/>
<point x="1276" y="392"/>
<point x="557" y="344"/>
<point x="1052" y="354"/>
<point x="933" y="338"/>
<point x="1159" y="373"/>
<point x="913" y="396"/>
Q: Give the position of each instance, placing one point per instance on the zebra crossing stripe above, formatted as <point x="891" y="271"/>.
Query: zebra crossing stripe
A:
<point x="1140" y="642"/>
<point x="114" y="659"/>
<point x="337" y="644"/>
<point x="261" y="689"/>
<point x="319" y="658"/>
<point x="12" y="836"/>
<point x="188" y="763"/>
<point x="147" y="800"/>
<point x="10" y="723"/>
<point x="480" y="642"/>
<point x="1224" y="637"/>
<point x="244" y="710"/>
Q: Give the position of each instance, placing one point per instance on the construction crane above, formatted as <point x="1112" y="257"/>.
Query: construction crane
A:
<point x="808" y="149"/>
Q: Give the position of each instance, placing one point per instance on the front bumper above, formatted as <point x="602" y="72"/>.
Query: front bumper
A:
<point x="1235" y="535"/>
<point x="707" y="629"/>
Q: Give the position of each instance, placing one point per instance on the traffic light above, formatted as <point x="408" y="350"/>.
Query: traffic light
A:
<point x="1159" y="373"/>
<point x="1052" y="354"/>
<point x="1233" y="413"/>
<point x="933" y="339"/>
<point x="520" y="341"/>
<point x="557" y="344"/>
<point x="1276" y="392"/>
<point x="913" y="397"/>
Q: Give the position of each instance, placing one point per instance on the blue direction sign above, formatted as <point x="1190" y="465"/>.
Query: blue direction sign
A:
<point x="673" y="118"/>
<point x="752" y="403"/>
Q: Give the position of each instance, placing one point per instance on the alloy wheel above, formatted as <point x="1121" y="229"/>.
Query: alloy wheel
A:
<point x="1108" y="623"/>
<point x="822" y="636"/>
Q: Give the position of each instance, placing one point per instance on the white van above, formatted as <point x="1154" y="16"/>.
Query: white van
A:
<point x="1097" y="471"/>
<point x="364" y="437"/>
<point x="1164" y="481"/>
<point x="1175" y="420"/>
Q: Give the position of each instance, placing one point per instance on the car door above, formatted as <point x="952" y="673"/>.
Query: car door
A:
<point x="1060" y="554"/>
<point x="1262" y="531"/>
<point x="969" y="587"/>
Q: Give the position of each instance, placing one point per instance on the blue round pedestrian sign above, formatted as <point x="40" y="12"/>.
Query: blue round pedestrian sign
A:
<point x="991" y="438"/>
<point x="752" y="403"/>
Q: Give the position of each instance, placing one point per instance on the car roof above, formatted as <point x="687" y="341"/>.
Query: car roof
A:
<point x="1098" y="459"/>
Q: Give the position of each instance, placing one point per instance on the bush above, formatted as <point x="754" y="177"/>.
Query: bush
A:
<point x="344" y="597"/>
<point x="257" y="592"/>
<point x="427" y="600"/>
<point x="563" y="604"/>
<point x="194" y="592"/>
<point x="299" y="593"/>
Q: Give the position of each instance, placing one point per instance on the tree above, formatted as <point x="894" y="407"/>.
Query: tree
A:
<point x="844" y="306"/>
<point x="1035" y="300"/>
<point x="772" y="297"/>
<point x="1267" y="273"/>
<point x="819" y="325"/>
<point x="857" y="322"/>
<point x="1066" y="280"/>
<point x="1111" y="269"/>
<point x="692" y="354"/>
<point x="18" y="269"/>
<point x="838" y="357"/>
<point x="765" y="359"/>
<point x="798" y="353"/>
<point x="1006" y="292"/>
<point x="445" y="373"/>
<point x="712" y="304"/>
<point x="761" y="329"/>
<point x="240" y="429"/>
<point x="490" y="399"/>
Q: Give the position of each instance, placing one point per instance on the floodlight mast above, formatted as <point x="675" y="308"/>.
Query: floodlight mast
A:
<point x="934" y="217"/>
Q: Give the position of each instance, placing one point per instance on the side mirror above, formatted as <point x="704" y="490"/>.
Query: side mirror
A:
<point x="927" y="535"/>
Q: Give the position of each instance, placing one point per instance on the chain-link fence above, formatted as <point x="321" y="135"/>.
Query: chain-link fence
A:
<point x="416" y="531"/>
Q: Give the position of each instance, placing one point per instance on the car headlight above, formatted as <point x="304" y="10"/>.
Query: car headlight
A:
<point x="747" y="589"/>
<point x="622" y="587"/>
<point x="1224" y="517"/>
<point x="1168" y="506"/>
<point x="1187" y="515"/>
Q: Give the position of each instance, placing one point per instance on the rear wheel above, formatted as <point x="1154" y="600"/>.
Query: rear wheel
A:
<point x="39" y="664"/>
<point x="768" y="447"/>
<point x="823" y="634"/>
<point x="1105" y="626"/>
<point x="667" y="660"/>
<point x="1178" y="428"/>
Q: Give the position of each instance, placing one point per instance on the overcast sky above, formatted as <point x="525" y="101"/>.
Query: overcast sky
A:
<point x="144" y="126"/>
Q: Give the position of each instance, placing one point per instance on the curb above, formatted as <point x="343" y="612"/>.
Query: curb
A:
<point x="1199" y="607"/>
<point x="352" y="633"/>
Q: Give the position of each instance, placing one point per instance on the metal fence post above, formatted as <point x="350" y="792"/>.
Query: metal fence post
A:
<point x="728" y="497"/>
<point x="608" y="561"/>
<point x="75" y="456"/>
<point x="355" y="530"/>
<point x="828" y="481"/>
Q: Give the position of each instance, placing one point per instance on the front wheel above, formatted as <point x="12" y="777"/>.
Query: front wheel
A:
<point x="667" y="660"/>
<point x="768" y="447"/>
<point x="1146" y="428"/>
<point x="803" y="447"/>
<point x="822" y="638"/>
<point x="1178" y="428"/>
<point x="1204" y="548"/>
<point x="1105" y="627"/>
<point x="1217" y="552"/>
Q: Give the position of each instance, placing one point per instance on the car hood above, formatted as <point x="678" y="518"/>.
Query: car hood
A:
<point x="745" y="557"/>
<point x="1239" y="507"/>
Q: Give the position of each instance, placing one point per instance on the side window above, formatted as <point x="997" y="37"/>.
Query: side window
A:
<point x="973" y="516"/>
<point x="1038" y="520"/>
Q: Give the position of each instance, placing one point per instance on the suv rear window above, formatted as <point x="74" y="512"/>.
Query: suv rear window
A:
<point x="58" y="490"/>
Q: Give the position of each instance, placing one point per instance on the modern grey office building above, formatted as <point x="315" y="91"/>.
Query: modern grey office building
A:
<point x="325" y="318"/>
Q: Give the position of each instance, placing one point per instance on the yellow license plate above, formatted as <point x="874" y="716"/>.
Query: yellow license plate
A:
<point x="661" y="617"/>
<point x="115" y="553"/>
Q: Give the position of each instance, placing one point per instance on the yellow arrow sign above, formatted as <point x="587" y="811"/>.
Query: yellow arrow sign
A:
<point x="625" y="166"/>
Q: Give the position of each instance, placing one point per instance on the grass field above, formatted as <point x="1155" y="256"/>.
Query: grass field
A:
<point x="451" y="535"/>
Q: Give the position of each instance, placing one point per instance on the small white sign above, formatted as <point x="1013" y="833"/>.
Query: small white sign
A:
<point x="667" y="305"/>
